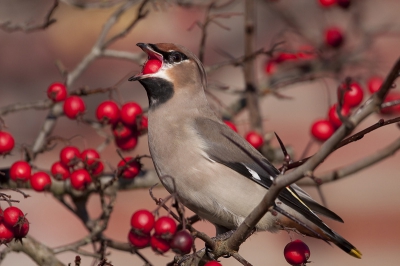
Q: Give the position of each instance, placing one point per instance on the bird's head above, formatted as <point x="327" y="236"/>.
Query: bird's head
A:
<point x="169" y="69"/>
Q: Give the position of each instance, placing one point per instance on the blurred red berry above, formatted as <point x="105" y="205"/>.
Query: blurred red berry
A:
<point x="333" y="116"/>
<point x="96" y="169"/>
<point x="296" y="252"/>
<point x="12" y="216"/>
<point x="213" y="263"/>
<point x="60" y="171"/>
<point x="334" y="37"/>
<point x="6" y="143"/>
<point x="57" y="92"/>
<point x="128" y="143"/>
<point x="40" y="181"/>
<point x="138" y="241"/>
<point x="374" y="84"/>
<point x="231" y="125"/>
<point x="255" y="139"/>
<point x="306" y="52"/>
<point x="144" y="123"/>
<point x="129" y="113"/>
<point x="159" y="245"/>
<point x="20" y="170"/>
<point x="182" y="242"/>
<point x="165" y="227"/>
<point x="142" y="221"/>
<point x="21" y="230"/>
<point x="122" y="131"/>
<point x="270" y="67"/>
<point x="353" y="94"/>
<point x="80" y="179"/>
<point x="128" y="168"/>
<point x="108" y="112"/>
<point x="70" y="155"/>
<point x="6" y="234"/>
<point x="74" y="106"/>
<point x="322" y="130"/>
<point x="283" y="57"/>
<point x="327" y="3"/>
<point x="90" y="157"/>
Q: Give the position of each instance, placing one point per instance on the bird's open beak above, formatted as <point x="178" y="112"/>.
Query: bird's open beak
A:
<point x="152" y="65"/>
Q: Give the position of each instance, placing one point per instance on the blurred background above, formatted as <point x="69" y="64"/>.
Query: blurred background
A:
<point x="368" y="201"/>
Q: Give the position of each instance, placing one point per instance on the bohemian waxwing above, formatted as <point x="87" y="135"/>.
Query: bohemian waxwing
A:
<point x="213" y="175"/>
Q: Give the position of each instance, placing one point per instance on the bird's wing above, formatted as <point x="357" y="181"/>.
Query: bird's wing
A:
<point x="226" y="147"/>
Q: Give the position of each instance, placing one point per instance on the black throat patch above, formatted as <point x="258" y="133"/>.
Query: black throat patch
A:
<point x="158" y="91"/>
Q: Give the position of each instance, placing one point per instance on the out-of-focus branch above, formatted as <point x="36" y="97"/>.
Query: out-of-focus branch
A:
<point x="9" y="27"/>
<point x="39" y="105"/>
<point x="37" y="251"/>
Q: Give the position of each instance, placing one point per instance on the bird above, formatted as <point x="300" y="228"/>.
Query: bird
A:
<point x="215" y="172"/>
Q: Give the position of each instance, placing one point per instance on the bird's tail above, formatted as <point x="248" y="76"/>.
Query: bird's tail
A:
<point x="344" y="245"/>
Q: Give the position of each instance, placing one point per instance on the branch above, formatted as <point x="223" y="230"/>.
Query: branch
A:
<point x="38" y="105"/>
<point x="7" y="26"/>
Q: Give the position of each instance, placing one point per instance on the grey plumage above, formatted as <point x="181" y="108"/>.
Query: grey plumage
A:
<point x="213" y="174"/>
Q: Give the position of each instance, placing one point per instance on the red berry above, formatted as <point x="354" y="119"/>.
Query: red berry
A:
<point x="142" y="221"/>
<point x="353" y="94"/>
<point x="334" y="37"/>
<point x="159" y="245"/>
<point x="231" y="125"/>
<point x="98" y="169"/>
<point x="74" y="106"/>
<point x="80" y="179"/>
<point x="90" y="157"/>
<point x="296" y="252"/>
<point x="128" y="168"/>
<point x="59" y="171"/>
<point x="6" y="234"/>
<point x="6" y="142"/>
<point x="70" y="155"/>
<point x="57" y="92"/>
<point x="138" y="241"/>
<point x="129" y="112"/>
<point x="343" y="3"/>
<point x="255" y="139"/>
<point x="182" y="242"/>
<point x="327" y="3"/>
<point x="21" y="230"/>
<point x="392" y="96"/>
<point x="12" y="216"/>
<point x="374" y="84"/>
<point x="128" y="143"/>
<point x="165" y="227"/>
<point x="122" y="131"/>
<point x="213" y="263"/>
<point x="322" y="130"/>
<point x="40" y="181"/>
<point x="20" y="170"/>
<point x="108" y="112"/>
<point x="151" y="66"/>
<point x="306" y="52"/>
<point x="144" y="123"/>
<point x="333" y="116"/>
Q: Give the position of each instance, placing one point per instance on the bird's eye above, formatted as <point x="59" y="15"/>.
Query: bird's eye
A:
<point x="175" y="57"/>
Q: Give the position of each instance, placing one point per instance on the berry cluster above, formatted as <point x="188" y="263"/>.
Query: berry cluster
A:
<point x="13" y="225"/>
<point x="73" y="106"/>
<point x="352" y="95"/>
<point x="303" y="53"/>
<point x="21" y="171"/>
<point x="126" y="123"/>
<point x="164" y="237"/>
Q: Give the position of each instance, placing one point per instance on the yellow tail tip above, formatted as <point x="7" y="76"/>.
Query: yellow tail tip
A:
<point x="355" y="253"/>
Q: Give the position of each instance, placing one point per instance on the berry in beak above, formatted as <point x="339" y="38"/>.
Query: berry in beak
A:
<point x="152" y="65"/>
